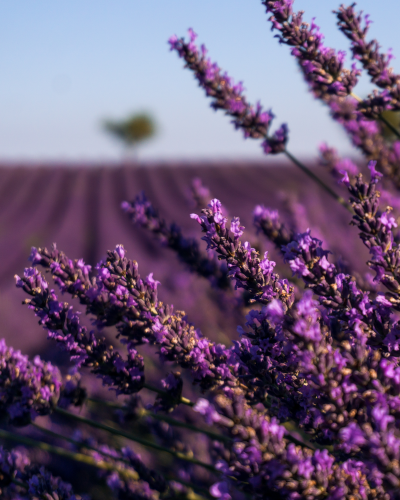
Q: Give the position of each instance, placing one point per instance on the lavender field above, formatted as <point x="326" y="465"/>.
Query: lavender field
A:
<point x="78" y="208"/>
<point x="226" y="331"/>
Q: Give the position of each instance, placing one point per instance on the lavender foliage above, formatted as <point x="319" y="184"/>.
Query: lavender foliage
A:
<point x="228" y="96"/>
<point x="27" y="389"/>
<point x="302" y="402"/>
<point x="37" y="482"/>
<point x="142" y="213"/>
<point x="376" y="63"/>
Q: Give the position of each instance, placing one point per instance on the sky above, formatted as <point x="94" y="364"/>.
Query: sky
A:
<point x="67" y="66"/>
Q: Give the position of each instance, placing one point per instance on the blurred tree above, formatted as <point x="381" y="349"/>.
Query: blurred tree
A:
<point x="132" y="131"/>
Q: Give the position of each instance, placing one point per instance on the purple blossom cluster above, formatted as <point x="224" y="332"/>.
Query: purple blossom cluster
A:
<point x="15" y="468"/>
<point x="269" y="223"/>
<point x="355" y="27"/>
<point x="250" y="272"/>
<point x="328" y="79"/>
<point x="27" y="388"/>
<point x="63" y="325"/>
<point x="120" y="297"/>
<point x="228" y="96"/>
<point x="322" y="66"/>
<point x="336" y="166"/>
<point x="142" y="213"/>
<point x="129" y="477"/>
<point x="302" y="402"/>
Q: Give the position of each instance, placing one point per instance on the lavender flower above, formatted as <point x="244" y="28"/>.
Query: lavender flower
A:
<point x="199" y="193"/>
<point x="268" y="222"/>
<point x="39" y="482"/>
<point x="27" y="389"/>
<point x="71" y="276"/>
<point x="151" y="477"/>
<point x="250" y="272"/>
<point x="43" y="485"/>
<point x="226" y="95"/>
<point x="277" y="142"/>
<point x="339" y="401"/>
<point x="131" y="477"/>
<point x="12" y="463"/>
<point x="263" y="459"/>
<point x="345" y="301"/>
<point x="142" y="213"/>
<point x="337" y="166"/>
<point x="63" y="325"/>
<point x="120" y="297"/>
<point x="366" y="136"/>
<point x="330" y="81"/>
<point x="373" y="61"/>
<point x="130" y="489"/>
<point x="172" y="385"/>
<point x="72" y="392"/>
<point x="322" y="67"/>
<point x="376" y="232"/>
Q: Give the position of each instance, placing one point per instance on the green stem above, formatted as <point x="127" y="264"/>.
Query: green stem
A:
<point x="291" y="426"/>
<point x="123" y="460"/>
<point x="131" y="437"/>
<point x="20" y="484"/>
<point x="316" y="179"/>
<point x="152" y="388"/>
<point x="77" y="457"/>
<point x="75" y="443"/>
<point x="380" y="117"/>
<point x="165" y="418"/>
<point x="389" y="125"/>
<point x="202" y="490"/>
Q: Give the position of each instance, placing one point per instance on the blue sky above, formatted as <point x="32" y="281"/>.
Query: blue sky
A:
<point x="67" y="65"/>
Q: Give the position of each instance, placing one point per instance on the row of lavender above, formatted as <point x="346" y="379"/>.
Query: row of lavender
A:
<point x="41" y="205"/>
<point x="305" y="403"/>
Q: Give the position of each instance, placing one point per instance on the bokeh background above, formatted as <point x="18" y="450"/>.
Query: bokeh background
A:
<point x="65" y="66"/>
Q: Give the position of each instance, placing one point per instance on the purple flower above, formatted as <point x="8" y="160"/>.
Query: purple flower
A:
<point x="220" y="490"/>
<point x="27" y="389"/>
<point x="268" y="222"/>
<point x="172" y="385"/>
<point x="322" y="66"/>
<point x="205" y="408"/>
<point x="375" y="175"/>
<point x="196" y="217"/>
<point x="381" y="418"/>
<point x="274" y="311"/>
<point x="352" y="437"/>
<point x="245" y="266"/>
<point x="266" y="265"/>
<point x="372" y="59"/>
<point x="345" y="179"/>
<point x="277" y="142"/>
<point x="120" y="250"/>
<point x="151" y="282"/>
<point x="252" y="120"/>
<point x="43" y="484"/>
<point x="236" y="228"/>
<point x="305" y="404"/>
<point x="63" y="325"/>
<point x="389" y="222"/>
<point x="298" y="267"/>
<point x="142" y="213"/>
